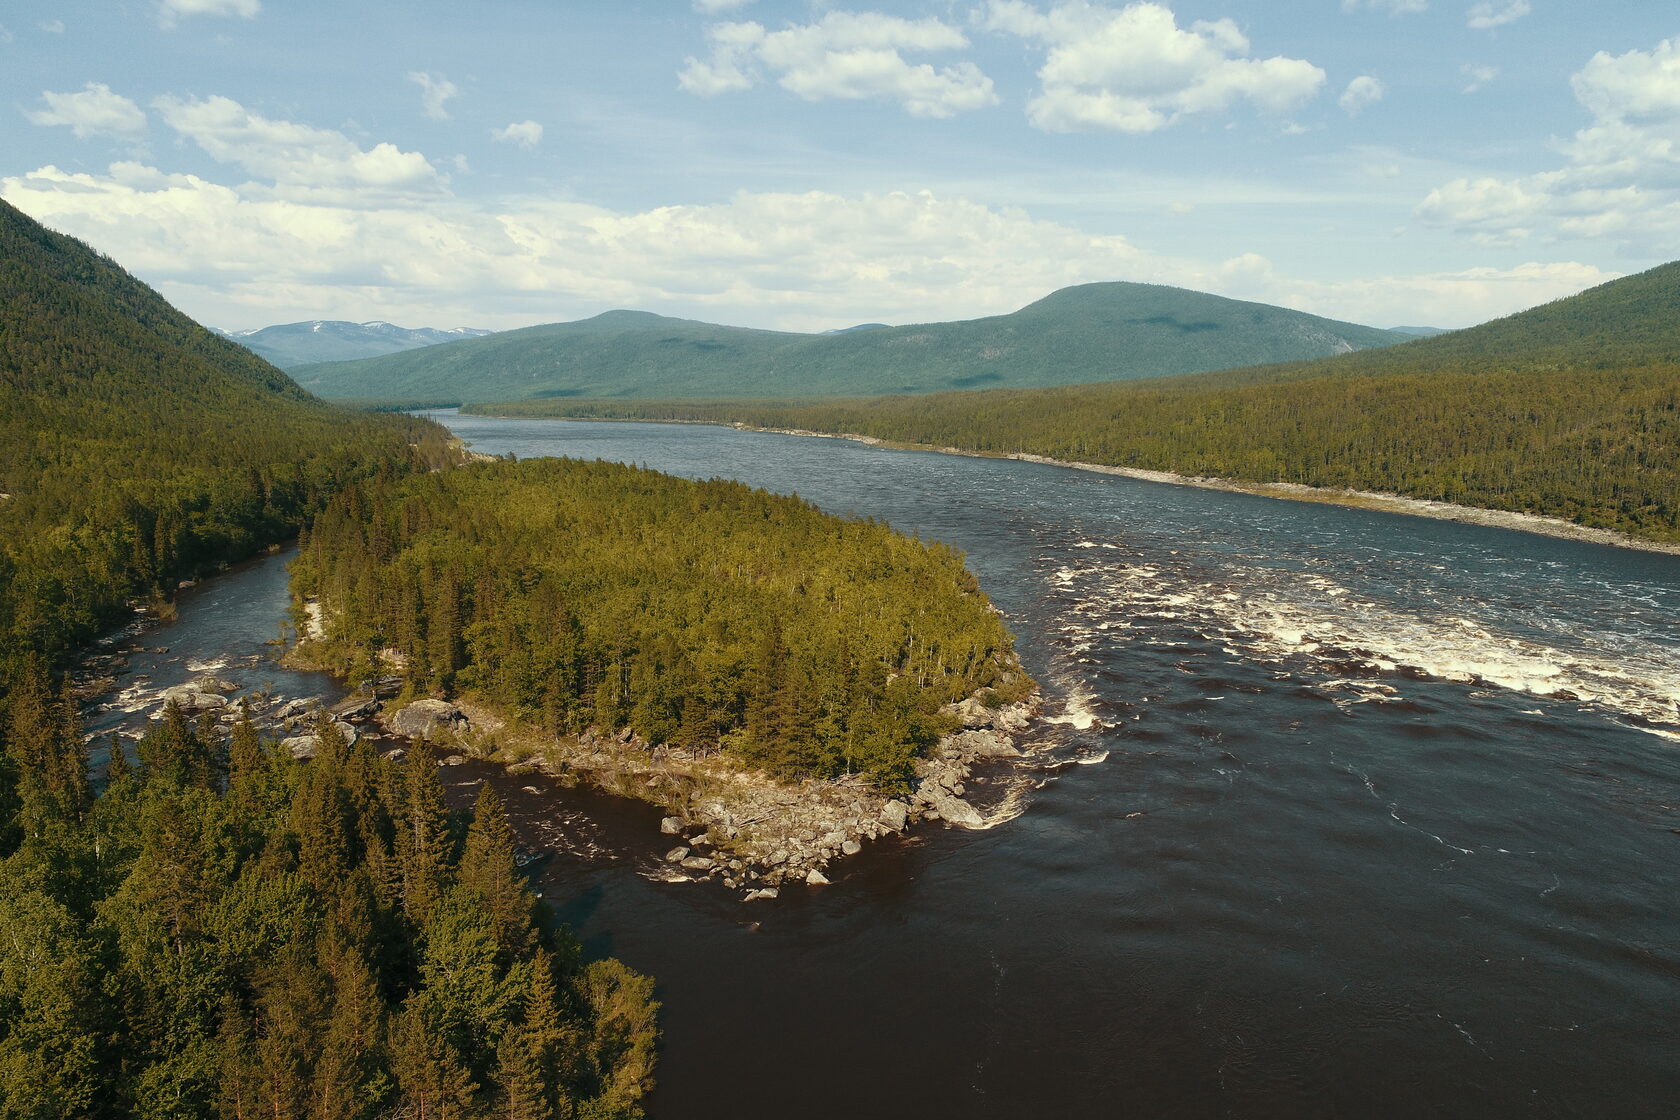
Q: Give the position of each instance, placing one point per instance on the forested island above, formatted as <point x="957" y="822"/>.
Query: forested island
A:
<point x="710" y="629"/>
<point x="1569" y="410"/>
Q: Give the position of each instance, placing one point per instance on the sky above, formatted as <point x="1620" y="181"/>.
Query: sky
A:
<point x="811" y="165"/>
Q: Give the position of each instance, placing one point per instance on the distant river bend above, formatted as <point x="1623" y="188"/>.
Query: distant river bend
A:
<point x="1376" y="818"/>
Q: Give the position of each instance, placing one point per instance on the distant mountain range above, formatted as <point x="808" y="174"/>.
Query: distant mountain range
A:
<point x="330" y="340"/>
<point x="1570" y="409"/>
<point x="1094" y="332"/>
<point x="1421" y="332"/>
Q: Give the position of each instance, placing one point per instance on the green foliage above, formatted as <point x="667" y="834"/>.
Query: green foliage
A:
<point x="1570" y="410"/>
<point x="136" y="448"/>
<point x="181" y="950"/>
<point x="1094" y="332"/>
<point x="702" y="614"/>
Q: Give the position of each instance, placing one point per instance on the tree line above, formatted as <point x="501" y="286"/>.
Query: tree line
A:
<point x="226" y="932"/>
<point x="707" y="615"/>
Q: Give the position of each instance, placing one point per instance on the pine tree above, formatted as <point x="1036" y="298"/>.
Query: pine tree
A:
<point x="488" y="871"/>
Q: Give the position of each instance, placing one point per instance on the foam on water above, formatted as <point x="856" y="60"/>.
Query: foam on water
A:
<point x="1278" y="614"/>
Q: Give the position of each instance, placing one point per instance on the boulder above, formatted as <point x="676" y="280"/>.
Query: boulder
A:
<point x="985" y="744"/>
<point x="699" y="863"/>
<point x="894" y="813"/>
<point x="816" y="878"/>
<point x="214" y="684"/>
<point x="295" y="707"/>
<point x="426" y="718"/>
<point x="957" y="811"/>
<point x="347" y="731"/>
<point x="192" y="699"/>
<point x="300" y="746"/>
<point x="762" y="892"/>
<point x="670" y="826"/>
<point x="356" y="707"/>
<point x="851" y="847"/>
<point x="676" y="855"/>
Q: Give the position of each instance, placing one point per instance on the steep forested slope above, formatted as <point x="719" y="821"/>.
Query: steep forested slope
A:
<point x="137" y="448"/>
<point x="224" y="931"/>
<point x="1095" y="332"/>
<point x="1571" y="410"/>
<point x="702" y="614"/>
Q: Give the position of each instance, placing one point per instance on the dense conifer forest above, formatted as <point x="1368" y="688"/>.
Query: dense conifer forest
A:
<point x="138" y="449"/>
<point x="222" y="931"/>
<point x="702" y="614"/>
<point x="1570" y="410"/>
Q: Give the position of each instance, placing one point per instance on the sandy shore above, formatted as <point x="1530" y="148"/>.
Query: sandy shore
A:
<point x="1296" y="492"/>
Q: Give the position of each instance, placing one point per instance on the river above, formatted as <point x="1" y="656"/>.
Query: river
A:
<point x="1333" y="813"/>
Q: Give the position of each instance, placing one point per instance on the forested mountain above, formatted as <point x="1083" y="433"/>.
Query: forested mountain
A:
<point x="137" y="448"/>
<point x="223" y="931"/>
<point x="702" y="614"/>
<point x="290" y="345"/>
<point x="1095" y="332"/>
<point x="1570" y="410"/>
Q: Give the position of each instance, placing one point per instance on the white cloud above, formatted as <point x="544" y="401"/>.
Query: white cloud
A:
<point x="171" y="10"/>
<point x="1135" y="70"/>
<point x="527" y="134"/>
<point x="94" y="111"/>
<point x="713" y="7"/>
<point x="1621" y="176"/>
<point x="1392" y="7"/>
<point x="435" y="90"/>
<point x="1360" y="93"/>
<point x="243" y="256"/>
<point x="848" y="56"/>
<point x="52" y="26"/>
<point x="1479" y="76"/>
<point x="295" y="156"/>
<point x="1485" y="17"/>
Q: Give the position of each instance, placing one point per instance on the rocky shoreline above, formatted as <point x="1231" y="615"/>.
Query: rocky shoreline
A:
<point x="744" y="828"/>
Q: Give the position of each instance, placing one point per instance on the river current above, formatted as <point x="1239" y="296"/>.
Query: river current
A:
<point x="1333" y="813"/>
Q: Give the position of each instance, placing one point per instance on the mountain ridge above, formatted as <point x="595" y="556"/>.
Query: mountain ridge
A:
<point x="1092" y="332"/>
<point x="311" y="341"/>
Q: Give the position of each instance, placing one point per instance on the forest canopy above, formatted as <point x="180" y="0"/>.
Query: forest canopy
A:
<point x="707" y="615"/>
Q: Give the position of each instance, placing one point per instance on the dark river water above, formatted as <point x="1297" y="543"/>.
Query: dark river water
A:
<point x="1334" y="813"/>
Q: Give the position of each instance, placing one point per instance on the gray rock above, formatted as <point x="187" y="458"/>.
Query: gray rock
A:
<point x="676" y="855"/>
<point x="670" y="826"/>
<point x="427" y="717"/>
<point x="984" y="744"/>
<point x="455" y="760"/>
<point x="851" y="847"/>
<point x="699" y="863"/>
<point x="344" y="729"/>
<point x="816" y="878"/>
<point x="762" y="892"/>
<point x="958" y="812"/>
<point x="300" y="746"/>
<point x="295" y="707"/>
<point x="357" y="707"/>
<point x="894" y="813"/>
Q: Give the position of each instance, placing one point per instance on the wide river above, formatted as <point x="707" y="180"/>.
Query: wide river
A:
<point x="1334" y="813"/>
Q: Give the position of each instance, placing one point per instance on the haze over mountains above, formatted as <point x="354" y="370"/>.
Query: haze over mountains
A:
<point x="1093" y="332"/>
<point x="289" y="345"/>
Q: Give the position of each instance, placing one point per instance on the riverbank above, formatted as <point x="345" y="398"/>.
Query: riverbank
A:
<point x="744" y="828"/>
<point x="1380" y="501"/>
<point x="1288" y="491"/>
